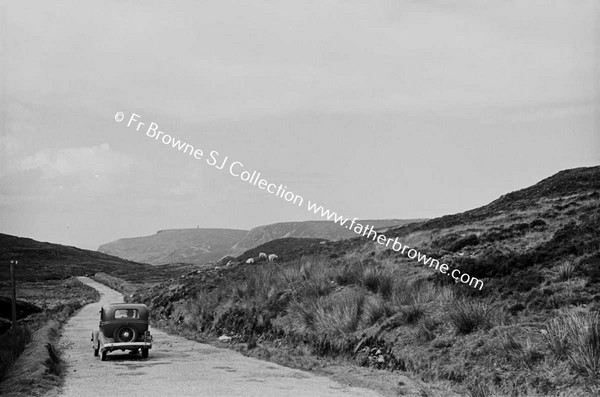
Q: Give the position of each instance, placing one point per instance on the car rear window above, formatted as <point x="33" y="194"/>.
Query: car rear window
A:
<point x="126" y="313"/>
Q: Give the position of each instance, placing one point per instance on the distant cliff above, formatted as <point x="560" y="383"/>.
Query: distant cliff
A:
<point x="310" y="229"/>
<point x="176" y="246"/>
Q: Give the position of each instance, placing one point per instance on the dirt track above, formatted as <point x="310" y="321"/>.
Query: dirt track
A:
<point x="177" y="367"/>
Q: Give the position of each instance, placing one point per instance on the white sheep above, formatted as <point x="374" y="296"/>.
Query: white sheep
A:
<point x="262" y="255"/>
<point x="272" y="257"/>
<point x="250" y="261"/>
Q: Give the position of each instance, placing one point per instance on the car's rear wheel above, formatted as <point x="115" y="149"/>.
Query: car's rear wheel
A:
<point x="125" y="334"/>
<point x="144" y="353"/>
<point x="96" y="350"/>
<point x="103" y="356"/>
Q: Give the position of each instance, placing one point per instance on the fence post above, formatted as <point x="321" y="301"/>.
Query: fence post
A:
<point x="14" y="292"/>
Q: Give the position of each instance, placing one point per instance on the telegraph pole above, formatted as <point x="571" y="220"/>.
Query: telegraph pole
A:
<point x="14" y="292"/>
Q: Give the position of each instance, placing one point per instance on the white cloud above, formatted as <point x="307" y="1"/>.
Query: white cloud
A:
<point x="90" y="161"/>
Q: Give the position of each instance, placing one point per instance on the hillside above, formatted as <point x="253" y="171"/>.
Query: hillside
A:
<point x="39" y="261"/>
<point x="194" y="246"/>
<point x="533" y="329"/>
<point x="309" y="229"/>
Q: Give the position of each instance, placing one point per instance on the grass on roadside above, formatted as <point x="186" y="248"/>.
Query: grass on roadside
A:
<point x="30" y="363"/>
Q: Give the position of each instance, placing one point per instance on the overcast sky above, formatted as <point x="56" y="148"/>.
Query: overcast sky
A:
<point x="376" y="109"/>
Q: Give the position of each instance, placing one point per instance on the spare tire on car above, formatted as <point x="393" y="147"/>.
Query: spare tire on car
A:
<point x="125" y="334"/>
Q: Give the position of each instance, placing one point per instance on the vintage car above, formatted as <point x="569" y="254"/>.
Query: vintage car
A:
<point x="123" y="326"/>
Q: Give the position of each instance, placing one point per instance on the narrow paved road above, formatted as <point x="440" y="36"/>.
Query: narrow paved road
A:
<point x="177" y="367"/>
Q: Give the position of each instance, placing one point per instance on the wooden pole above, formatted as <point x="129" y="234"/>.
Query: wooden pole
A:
<point x="14" y="293"/>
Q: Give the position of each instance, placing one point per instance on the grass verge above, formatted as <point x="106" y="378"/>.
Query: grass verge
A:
<point x="29" y="360"/>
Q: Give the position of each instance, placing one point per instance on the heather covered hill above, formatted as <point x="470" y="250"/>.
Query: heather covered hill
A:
<point x="516" y="238"/>
<point x="39" y="261"/>
<point x="553" y="190"/>
<point x="534" y="328"/>
<point x="196" y="246"/>
<point x="48" y="261"/>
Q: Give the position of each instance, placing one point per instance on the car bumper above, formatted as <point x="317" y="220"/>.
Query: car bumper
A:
<point x="126" y="345"/>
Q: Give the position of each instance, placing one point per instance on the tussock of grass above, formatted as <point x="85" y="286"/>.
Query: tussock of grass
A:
<point x="426" y="329"/>
<point x="467" y="316"/>
<point x="576" y="336"/>
<point x="413" y="312"/>
<point x="374" y="310"/>
<point x="565" y="272"/>
<point x="377" y="280"/>
<point x="331" y="322"/>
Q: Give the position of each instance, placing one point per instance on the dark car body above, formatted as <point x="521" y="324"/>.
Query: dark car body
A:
<point x="123" y="326"/>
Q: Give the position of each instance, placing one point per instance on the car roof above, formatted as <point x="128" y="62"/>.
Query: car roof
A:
<point x="126" y="306"/>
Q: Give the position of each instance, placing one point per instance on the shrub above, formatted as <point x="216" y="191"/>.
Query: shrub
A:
<point x="459" y="244"/>
<point x="467" y="316"/>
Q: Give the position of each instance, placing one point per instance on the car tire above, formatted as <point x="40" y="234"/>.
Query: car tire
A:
<point x="125" y="334"/>
<point x="96" y="351"/>
<point x="103" y="356"/>
<point x="144" y="353"/>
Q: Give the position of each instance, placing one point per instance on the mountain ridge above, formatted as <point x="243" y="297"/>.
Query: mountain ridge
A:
<point x="195" y="245"/>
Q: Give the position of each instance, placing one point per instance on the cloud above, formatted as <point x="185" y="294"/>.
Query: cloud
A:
<point x="59" y="174"/>
<point x="90" y="161"/>
<point x="9" y="145"/>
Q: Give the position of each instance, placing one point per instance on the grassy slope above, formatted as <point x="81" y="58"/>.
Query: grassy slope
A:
<point x="533" y="330"/>
<point x="46" y="261"/>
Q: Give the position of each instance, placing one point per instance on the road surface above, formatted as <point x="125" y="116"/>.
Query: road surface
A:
<point x="177" y="367"/>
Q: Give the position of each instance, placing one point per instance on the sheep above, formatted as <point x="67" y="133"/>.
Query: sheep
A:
<point x="250" y="261"/>
<point x="272" y="257"/>
<point x="262" y="255"/>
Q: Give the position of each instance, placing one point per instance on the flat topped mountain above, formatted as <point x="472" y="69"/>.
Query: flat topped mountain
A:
<point x="176" y="246"/>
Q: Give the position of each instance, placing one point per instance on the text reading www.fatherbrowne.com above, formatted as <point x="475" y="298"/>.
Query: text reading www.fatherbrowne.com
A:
<point x="237" y="169"/>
